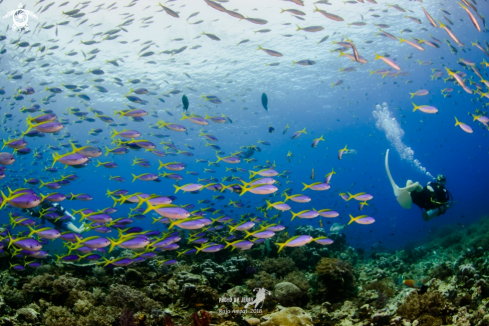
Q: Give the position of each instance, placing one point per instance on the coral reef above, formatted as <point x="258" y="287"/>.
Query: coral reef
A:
<point x="336" y="280"/>
<point x="287" y="294"/>
<point x="293" y="316"/>
<point x="311" y="285"/>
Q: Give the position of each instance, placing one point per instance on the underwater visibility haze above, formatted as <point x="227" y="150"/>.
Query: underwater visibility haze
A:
<point x="199" y="162"/>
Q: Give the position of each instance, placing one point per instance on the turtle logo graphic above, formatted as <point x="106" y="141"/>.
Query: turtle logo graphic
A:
<point x="20" y="17"/>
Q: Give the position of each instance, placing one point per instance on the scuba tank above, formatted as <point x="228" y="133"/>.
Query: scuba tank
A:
<point x="432" y="213"/>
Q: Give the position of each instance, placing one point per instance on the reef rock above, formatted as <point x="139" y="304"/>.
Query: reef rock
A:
<point x="293" y="316"/>
<point x="287" y="294"/>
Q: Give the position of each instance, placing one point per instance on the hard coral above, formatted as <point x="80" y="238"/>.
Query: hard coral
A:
<point x="287" y="294"/>
<point x="262" y="280"/>
<point x="205" y="319"/>
<point x="58" y="316"/>
<point x="124" y="296"/>
<point x="167" y="321"/>
<point x="385" y="286"/>
<point x="299" y="279"/>
<point x="127" y="318"/>
<point x="200" y="295"/>
<point x="442" y="271"/>
<point x="280" y="266"/>
<point x="293" y="316"/>
<point x="100" y="316"/>
<point x="431" y="304"/>
<point x="336" y="280"/>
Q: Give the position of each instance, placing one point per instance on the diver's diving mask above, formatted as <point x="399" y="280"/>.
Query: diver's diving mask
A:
<point x="440" y="179"/>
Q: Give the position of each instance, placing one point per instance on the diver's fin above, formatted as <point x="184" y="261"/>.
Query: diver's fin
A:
<point x="404" y="199"/>
<point x="394" y="186"/>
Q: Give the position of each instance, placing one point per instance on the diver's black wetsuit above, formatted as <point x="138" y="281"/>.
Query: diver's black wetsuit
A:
<point x="434" y="195"/>
<point x="58" y="224"/>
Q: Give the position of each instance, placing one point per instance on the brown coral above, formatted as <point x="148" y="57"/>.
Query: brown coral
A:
<point x="262" y="280"/>
<point x="336" y="280"/>
<point x="58" y="316"/>
<point x="280" y="266"/>
<point x="123" y="296"/>
<point x="298" y="278"/>
<point x="430" y="308"/>
<point x="385" y="286"/>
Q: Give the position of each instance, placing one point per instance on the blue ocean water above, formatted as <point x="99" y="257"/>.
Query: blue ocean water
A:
<point x="298" y="96"/>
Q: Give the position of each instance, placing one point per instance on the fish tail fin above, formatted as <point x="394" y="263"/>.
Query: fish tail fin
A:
<point x="112" y="245"/>
<point x="4" y="143"/>
<point x="415" y="107"/>
<point x="352" y="219"/>
<point x="305" y="186"/>
<point x="457" y="122"/>
<point x="227" y="244"/>
<point x="287" y="197"/>
<point x="243" y="190"/>
<point x="134" y="177"/>
<point x="32" y="231"/>
<point x="280" y="246"/>
<point x="56" y="157"/>
<point x="377" y="56"/>
<point x="350" y="196"/>
<point x="172" y="224"/>
<point x="269" y="205"/>
<point x="293" y="215"/>
<point x="177" y="188"/>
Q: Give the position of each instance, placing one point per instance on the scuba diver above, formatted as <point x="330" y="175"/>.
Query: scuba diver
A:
<point x="66" y="225"/>
<point x="433" y="199"/>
